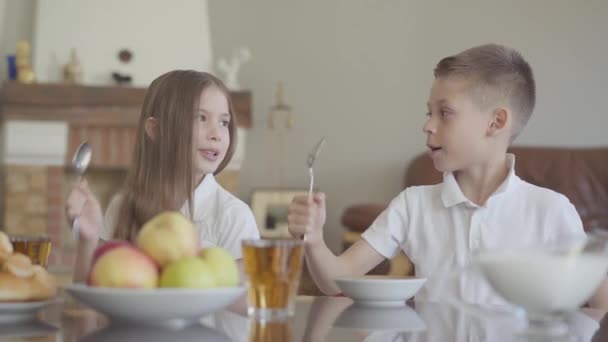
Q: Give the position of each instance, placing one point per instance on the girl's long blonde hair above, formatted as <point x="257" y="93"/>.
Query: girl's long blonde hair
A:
<point x="161" y="174"/>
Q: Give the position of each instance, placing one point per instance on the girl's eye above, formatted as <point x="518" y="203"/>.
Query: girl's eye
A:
<point x="428" y="114"/>
<point x="202" y="118"/>
<point x="225" y="123"/>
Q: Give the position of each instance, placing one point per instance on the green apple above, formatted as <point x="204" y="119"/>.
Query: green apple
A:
<point x="223" y="265"/>
<point x="188" y="272"/>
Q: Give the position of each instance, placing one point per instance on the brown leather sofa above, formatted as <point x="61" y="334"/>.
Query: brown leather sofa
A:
<point x="580" y="174"/>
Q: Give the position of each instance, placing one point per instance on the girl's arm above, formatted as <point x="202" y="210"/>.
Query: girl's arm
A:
<point x="83" y="204"/>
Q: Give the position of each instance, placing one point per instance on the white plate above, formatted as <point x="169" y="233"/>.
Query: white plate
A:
<point x="12" y="312"/>
<point x="401" y="319"/>
<point x="380" y="290"/>
<point x="169" y="307"/>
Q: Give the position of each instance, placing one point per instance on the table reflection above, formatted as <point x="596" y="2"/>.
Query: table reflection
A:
<point x="316" y="319"/>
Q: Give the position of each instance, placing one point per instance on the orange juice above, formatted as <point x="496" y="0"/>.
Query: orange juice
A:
<point x="273" y="269"/>
<point x="37" y="248"/>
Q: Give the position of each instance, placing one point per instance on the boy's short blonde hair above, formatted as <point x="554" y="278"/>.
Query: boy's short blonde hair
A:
<point x="500" y="77"/>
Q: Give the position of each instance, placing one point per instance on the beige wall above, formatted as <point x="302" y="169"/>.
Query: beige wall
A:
<point x="162" y="35"/>
<point x="358" y="72"/>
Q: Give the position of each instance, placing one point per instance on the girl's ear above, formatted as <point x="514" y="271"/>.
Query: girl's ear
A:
<point x="151" y="127"/>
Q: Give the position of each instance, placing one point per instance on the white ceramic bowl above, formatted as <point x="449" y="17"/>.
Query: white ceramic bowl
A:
<point x="543" y="282"/>
<point x="380" y="290"/>
<point x="169" y="307"/>
<point x="401" y="319"/>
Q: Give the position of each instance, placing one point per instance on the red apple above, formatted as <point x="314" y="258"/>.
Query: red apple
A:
<point x="107" y="247"/>
<point x="120" y="264"/>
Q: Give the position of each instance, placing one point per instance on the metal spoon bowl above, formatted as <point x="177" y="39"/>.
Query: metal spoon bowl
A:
<point x="80" y="163"/>
<point x="82" y="158"/>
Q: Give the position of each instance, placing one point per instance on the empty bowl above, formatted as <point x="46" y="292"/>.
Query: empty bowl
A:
<point x="380" y="290"/>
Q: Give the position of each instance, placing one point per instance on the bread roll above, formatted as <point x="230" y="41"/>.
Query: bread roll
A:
<point x="20" y="280"/>
<point x="6" y="247"/>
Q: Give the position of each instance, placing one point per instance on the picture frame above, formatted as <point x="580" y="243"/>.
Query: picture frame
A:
<point x="270" y="208"/>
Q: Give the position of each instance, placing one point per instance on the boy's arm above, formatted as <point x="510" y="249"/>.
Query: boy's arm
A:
<point x="325" y="267"/>
<point x="307" y="217"/>
<point x="599" y="300"/>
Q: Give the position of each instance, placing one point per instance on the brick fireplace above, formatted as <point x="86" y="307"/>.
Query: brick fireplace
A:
<point x="42" y="126"/>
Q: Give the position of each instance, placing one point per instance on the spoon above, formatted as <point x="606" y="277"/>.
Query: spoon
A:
<point x="80" y="163"/>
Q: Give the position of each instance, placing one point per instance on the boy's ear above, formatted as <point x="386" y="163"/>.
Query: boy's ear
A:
<point x="151" y="127"/>
<point x="500" y="118"/>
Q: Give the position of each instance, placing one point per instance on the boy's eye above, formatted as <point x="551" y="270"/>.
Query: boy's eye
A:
<point x="428" y="114"/>
<point x="202" y="118"/>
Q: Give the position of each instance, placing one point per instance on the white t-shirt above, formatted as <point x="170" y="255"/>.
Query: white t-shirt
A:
<point x="437" y="227"/>
<point x="220" y="218"/>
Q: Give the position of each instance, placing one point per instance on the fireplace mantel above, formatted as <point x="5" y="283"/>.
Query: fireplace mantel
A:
<point x="88" y="105"/>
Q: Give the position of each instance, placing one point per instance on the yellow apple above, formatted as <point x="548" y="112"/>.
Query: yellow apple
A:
<point x="223" y="265"/>
<point x="168" y="237"/>
<point x="120" y="264"/>
<point x="189" y="272"/>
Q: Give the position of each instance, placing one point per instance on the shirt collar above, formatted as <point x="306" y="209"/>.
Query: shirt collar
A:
<point x="451" y="194"/>
<point x="205" y="188"/>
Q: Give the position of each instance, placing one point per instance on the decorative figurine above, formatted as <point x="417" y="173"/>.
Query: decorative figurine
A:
<point x="124" y="56"/>
<point x="25" y="74"/>
<point x="230" y="70"/>
<point x="72" y="71"/>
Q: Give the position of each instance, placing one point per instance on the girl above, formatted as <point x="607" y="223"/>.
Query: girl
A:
<point x="186" y="135"/>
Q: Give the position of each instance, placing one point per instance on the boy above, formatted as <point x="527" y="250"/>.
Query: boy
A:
<point x="479" y="102"/>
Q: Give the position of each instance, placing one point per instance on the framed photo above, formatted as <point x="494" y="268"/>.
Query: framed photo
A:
<point x="270" y="210"/>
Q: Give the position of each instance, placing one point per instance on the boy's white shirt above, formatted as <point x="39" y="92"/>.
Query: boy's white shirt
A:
<point x="220" y="218"/>
<point x="438" y="228"/>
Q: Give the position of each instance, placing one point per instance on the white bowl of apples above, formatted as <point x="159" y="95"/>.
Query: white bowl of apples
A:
<point x="162" y="279"/>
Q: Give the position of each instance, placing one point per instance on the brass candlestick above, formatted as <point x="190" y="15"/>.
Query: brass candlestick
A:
<point x="280" y="120"/>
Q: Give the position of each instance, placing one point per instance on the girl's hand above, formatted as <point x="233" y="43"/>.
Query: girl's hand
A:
<point x="83" y="204"/>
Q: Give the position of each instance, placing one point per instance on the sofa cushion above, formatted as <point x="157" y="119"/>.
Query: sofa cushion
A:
<point x="359" y="217"/>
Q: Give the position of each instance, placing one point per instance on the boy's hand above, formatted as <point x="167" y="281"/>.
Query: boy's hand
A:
<point x="307" y="217"/>
<point x="83" y="204"/>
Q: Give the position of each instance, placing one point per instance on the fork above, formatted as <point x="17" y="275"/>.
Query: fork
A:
<point x="312" y="157"/>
